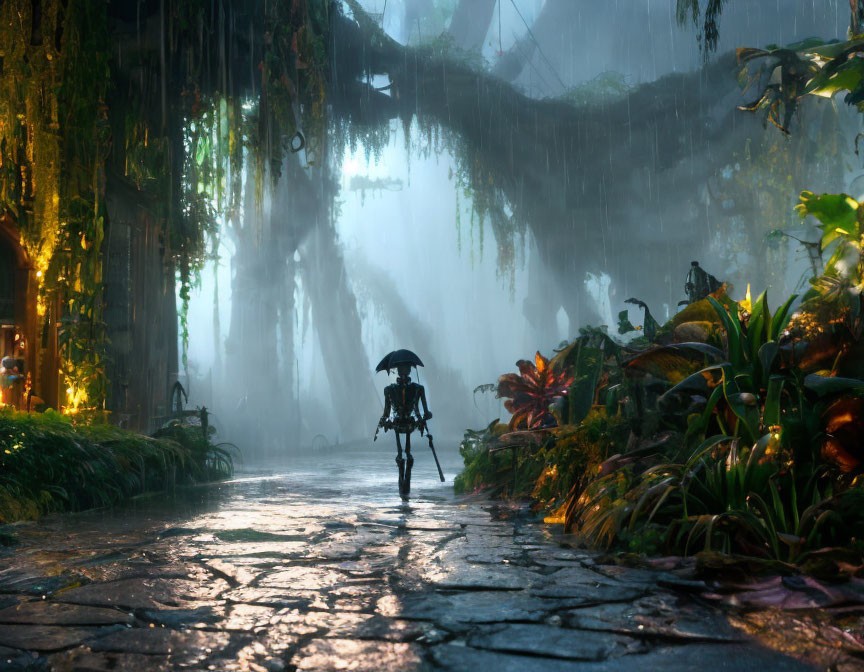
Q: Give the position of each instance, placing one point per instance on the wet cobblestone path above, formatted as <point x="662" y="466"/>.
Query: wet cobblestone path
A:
<point x="321" y="568"/>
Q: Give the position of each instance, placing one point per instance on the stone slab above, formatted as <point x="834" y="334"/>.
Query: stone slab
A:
<point x="43" y="612"/>
<point x="467" y="607"/>
<point x="83" y="659"/>
<point x="588" y="594"/>
<point x="336" y="655"/>
<point x="47" y="638"/>
<point x="499" y="577"/>
<point x="647" y="618"/>
<point x="186" y="648"/>
<point x="717" y="658"/>
<point x="553" y="642"/>
<point x="454" y="658"/>
<point x="142" y="593"/>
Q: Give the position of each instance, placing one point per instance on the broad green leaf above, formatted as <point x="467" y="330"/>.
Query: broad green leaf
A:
<point x="733" y="331"/>
<point x="771" y="413"/>
<point x="811" y="44"/>
<point x="699" y="425"/>
<point x="745" y="407"/>
<point x="757" y="328"/>
<point x="824" y="386"/>
<point x="837" y="212"/>
<point x="834" y="49"/>
<point x="781" y="318"/>
<point x="846" y="78"/>
<point x="580" y="398"/>
<point x="767" y="356"/>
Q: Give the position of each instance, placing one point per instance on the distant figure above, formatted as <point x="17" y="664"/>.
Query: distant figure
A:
<point x="402" y="414"/>
<point x="11" y="380"/>
<point x="700" y="284"/>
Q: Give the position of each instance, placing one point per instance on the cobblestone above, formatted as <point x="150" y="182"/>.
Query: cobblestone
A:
<point x="321" y="567"/>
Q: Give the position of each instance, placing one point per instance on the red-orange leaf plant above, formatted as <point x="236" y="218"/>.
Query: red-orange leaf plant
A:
<point x="530" y="392"/>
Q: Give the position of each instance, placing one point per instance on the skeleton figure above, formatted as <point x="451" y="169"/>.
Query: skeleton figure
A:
<point x="402" y="401"/>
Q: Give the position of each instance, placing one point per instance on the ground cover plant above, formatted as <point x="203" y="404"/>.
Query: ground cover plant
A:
<point x="47" y="463"/>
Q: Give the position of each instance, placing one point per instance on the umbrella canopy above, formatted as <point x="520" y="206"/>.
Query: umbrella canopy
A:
<point x="397" y="358"/>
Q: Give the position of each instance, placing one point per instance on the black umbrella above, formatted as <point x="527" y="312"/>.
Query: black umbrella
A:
<point x="397" y="358"/>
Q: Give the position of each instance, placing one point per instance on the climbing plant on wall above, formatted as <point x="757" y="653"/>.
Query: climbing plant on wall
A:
<point x="53" y="142"/>
<point x="69" y="112"/>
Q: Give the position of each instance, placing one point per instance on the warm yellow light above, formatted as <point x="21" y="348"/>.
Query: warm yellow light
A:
<point x="38" y="274"/>
<point x="75" y="399"/>
<point x="746" y="305"/>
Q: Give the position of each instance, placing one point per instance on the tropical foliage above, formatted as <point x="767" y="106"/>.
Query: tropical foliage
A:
<point x="49" y="464"/>
<point x="531" y="392"/>
<point x="744" y="438"/>
<point x="812" y="67"/>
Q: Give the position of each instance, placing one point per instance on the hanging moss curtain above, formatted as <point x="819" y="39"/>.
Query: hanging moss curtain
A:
<point x="53" y="143"/>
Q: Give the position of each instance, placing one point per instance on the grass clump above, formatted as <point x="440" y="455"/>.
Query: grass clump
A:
<point x="49" y="464"/>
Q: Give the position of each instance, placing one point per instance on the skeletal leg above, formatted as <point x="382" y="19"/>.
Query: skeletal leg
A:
<point x="401" y="462"/>
<point x="408" y="465"/>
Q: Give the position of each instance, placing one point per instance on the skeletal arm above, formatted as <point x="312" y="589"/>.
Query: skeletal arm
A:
<point x="386" y="414"/>
<point x="427" y="414"/>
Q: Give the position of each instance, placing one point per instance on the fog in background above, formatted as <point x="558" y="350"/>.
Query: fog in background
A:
<point x="425" y="273"/>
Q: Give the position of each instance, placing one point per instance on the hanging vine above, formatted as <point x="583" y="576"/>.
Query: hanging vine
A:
<point x="58" y="65"/>
<point x="53" y="142"/>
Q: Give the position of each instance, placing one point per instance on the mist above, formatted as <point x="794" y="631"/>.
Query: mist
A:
<point x="415" y="263"/>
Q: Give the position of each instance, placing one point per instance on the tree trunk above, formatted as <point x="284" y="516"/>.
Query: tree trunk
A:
<point x="261" y="298"/>
<point x="335" y="317"/>
<point x="470" y="23"/>
<point x="856" y="26"/>
<point x="553" y="17"/>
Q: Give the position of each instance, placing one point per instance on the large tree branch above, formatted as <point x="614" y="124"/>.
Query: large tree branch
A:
<point x="601" y="174"/>
<point x="555" y="154"/>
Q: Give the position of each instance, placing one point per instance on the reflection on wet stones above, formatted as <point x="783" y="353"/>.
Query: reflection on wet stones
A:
<point x="184" y="647"/>
<point x="352" y="626"/>
<point x="301" y="578"/>
<point x="234" y="574"/>
<point x="272" y="597"/>
<point x="330" y="655"/>
<point x="270" y="576"/>
<point x="480" y="578"/>
<point x="144" y="593"/>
